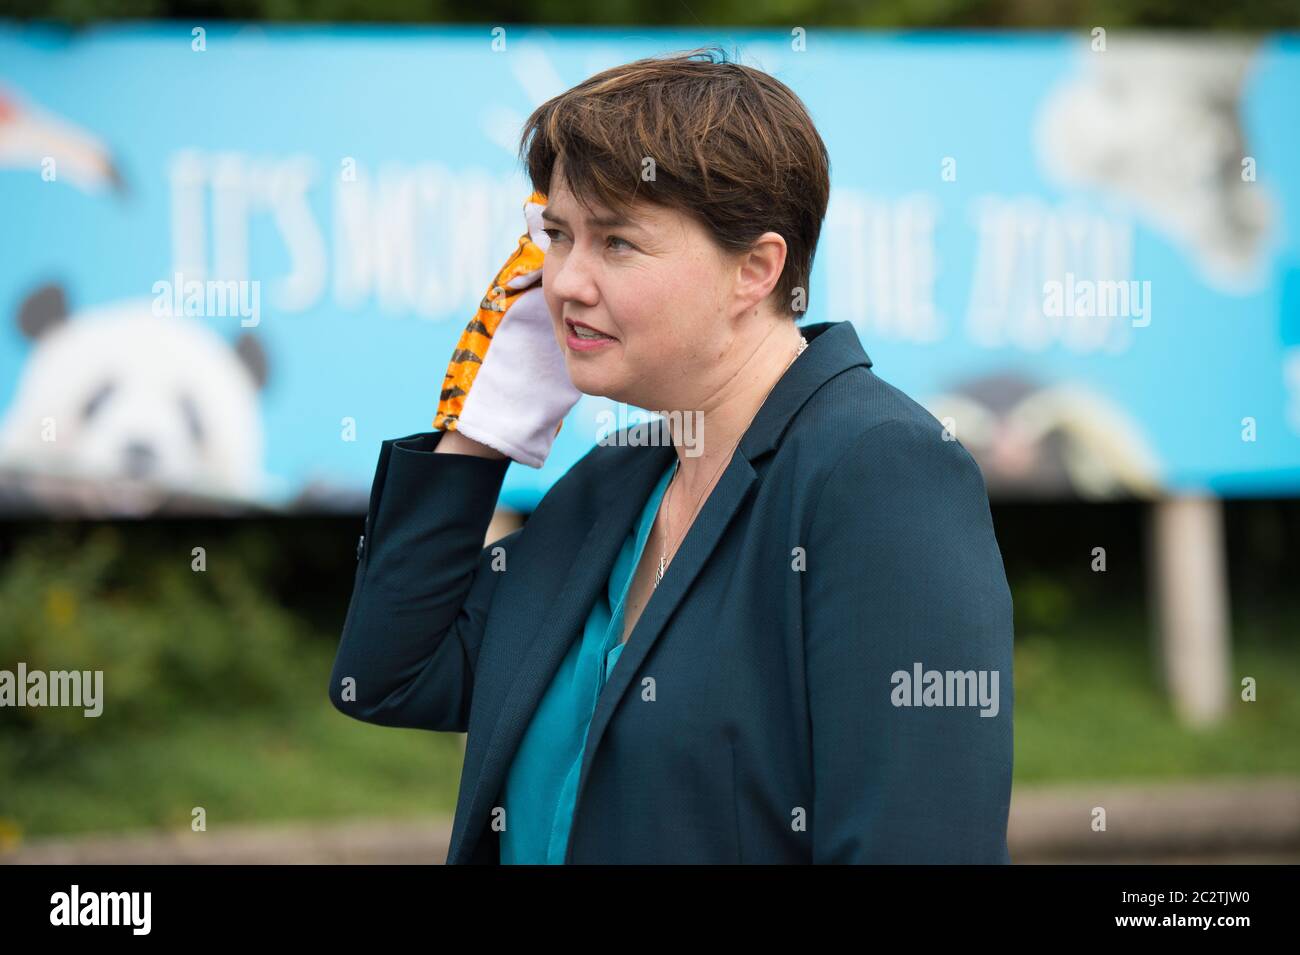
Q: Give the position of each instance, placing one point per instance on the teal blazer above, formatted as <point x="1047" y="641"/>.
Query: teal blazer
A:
<point x="823" y="675"/>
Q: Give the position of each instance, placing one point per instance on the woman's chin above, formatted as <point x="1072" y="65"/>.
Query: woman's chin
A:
<point x="588" y="380"/>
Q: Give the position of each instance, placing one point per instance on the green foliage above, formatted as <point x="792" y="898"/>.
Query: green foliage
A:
<point x="167" y="638"/>
<point x="1043" y="603"/>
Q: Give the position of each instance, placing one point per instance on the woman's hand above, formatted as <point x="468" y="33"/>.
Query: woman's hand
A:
<point x="507" y="385"/>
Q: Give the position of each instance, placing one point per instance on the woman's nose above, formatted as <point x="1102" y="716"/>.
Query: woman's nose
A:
<point x="569" y="277"/>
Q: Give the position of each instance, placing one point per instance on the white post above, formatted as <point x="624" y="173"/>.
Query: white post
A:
<point x="1191" y="600"/>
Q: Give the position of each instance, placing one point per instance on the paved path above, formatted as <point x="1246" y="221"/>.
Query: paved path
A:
<point x="1215" y="821"/>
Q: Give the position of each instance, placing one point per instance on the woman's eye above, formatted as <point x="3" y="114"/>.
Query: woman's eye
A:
<point x="556" y="235"/>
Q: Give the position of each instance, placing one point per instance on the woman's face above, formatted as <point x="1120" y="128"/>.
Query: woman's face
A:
<point x="655" y="283"/>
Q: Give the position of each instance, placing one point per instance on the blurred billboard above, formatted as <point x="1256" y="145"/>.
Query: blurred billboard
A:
<point x="235" y="259"/>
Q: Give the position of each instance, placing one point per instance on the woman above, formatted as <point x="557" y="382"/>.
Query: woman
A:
<point x="786" y="641"/>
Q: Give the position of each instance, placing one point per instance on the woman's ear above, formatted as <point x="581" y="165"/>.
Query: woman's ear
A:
<point x="760" y="269"/>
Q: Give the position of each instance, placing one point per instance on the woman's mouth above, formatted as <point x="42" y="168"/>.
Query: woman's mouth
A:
<point x="584" y="338"/>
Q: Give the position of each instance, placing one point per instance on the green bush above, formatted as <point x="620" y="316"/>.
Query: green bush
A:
<point x="168" y="639"/>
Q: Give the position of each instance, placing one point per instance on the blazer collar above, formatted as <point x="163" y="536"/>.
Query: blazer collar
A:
<point x="833" y="347"/>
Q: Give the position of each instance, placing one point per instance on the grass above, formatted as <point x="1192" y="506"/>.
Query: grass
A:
<point x="1090" y="706"/>
<point x="314" y="763"/>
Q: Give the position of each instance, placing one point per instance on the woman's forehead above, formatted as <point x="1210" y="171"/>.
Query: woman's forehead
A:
<point x="563" y="203"/>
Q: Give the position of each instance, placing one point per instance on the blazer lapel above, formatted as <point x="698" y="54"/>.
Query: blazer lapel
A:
<point x="622" y="497"/>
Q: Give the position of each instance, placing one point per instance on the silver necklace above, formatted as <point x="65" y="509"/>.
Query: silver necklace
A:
<point x="663" y="555"/>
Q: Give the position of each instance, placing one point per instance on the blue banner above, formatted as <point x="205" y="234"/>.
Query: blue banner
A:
<point x="1078" y="251"/>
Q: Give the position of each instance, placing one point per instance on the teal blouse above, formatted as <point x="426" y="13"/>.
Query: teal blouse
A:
<point x="541" y="786"/>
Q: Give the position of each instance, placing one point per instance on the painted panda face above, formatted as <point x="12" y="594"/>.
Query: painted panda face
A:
<point x="125" y="397"/>
<point x="141" y="447"/>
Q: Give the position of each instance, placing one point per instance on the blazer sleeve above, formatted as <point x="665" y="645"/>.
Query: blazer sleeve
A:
<point x="424" y="582"/>
<point x="903" y="569"/>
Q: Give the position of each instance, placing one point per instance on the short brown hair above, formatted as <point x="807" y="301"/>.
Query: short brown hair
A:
<point x="731" y="146"/>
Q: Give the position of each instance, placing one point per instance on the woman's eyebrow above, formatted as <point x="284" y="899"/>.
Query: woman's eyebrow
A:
<point x="609" y="221"/>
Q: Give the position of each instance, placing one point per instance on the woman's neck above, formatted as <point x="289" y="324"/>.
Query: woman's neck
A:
<point x="727" y="414"/>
